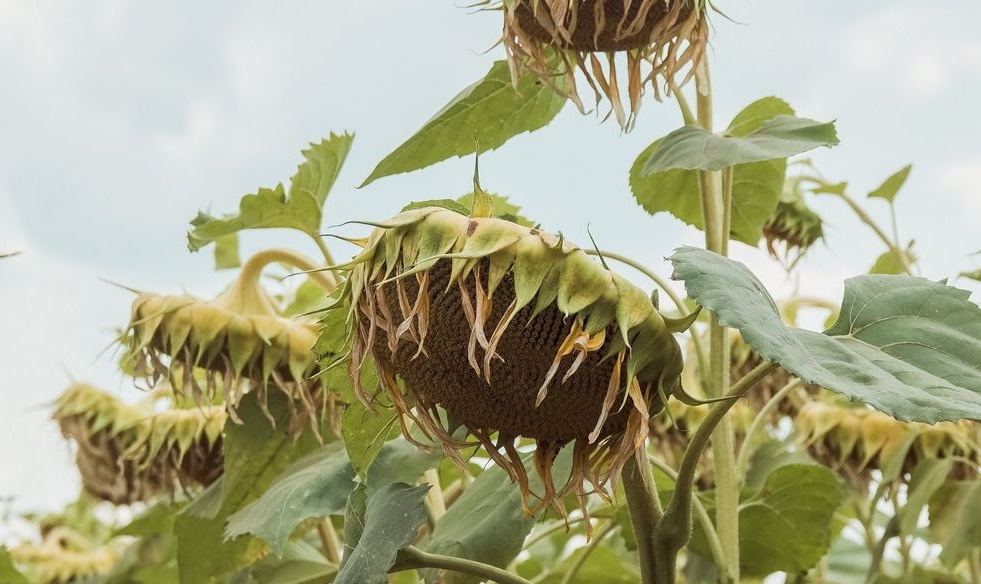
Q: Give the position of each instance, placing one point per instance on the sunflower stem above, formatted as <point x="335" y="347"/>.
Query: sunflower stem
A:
<point x="252" y="268"/>
<point x="716" y="210"/>
<point x="411" y="558"/>
<point x="645" y="513"/>
<point x="330" y="541"/>
<point x="867" y="219"/>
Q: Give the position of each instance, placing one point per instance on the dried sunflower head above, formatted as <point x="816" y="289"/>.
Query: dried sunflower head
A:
<point x="793" y="228"/>
<point x="238" y="342"/>
<point x="63" y="556"/>
<point x="555" y="39"/>
<point x="134" y="452"/>
<point x="515" y="332"/>
<point x="855" y="440"/>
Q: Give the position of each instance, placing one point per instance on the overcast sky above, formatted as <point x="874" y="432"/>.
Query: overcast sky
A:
<point x="119" y="120"/>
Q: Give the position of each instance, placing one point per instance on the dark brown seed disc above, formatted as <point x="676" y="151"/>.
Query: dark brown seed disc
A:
<point x="570" y="410"/>
<point x="584" y="35"/>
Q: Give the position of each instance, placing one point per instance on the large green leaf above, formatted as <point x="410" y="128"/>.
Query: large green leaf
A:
<point x="391" y="519"/>
<point x="489" y="112"/>
<point x="300" y="563"/>
<point x="890" y="187"/>
<point x="907" y="346"/>
<point x="399" y="461"/>
<point x="255" y="454"/>
<point x="786" y="526"/>
<point x="954" y="512"/>
<point x="316" y="486"/>
<point x="695" y="148"/>
<point x="365" y="433"/>
<point x="8" y="572"/>
<point x="756" y="186"/>
<point x="301" y="208"/>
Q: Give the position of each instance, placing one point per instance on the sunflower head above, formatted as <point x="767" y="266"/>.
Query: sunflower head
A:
<point x="63" y="556"/>
<point x="237" y="343"/>
<point x="563" y="39"/>
<point x="133" y="452"/>
<point x="793" y="228"/>
<point x="512" y="331"/>
<point x="856" y="440"/>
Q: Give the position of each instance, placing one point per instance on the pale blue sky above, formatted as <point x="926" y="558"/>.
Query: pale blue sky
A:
<point x="119" y="120"/>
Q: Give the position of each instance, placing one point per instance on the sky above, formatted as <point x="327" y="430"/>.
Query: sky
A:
<point x="120" y="120"/>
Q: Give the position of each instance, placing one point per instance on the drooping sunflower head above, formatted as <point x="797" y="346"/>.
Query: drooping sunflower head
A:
<point x="856" y="440"/>
<point x="563" y="39"/>
<point x="793" y="228"/>
<point x="514" y="332"/>
<point x="135" y="452"/>
<point x="63" y="556"/>
<point x="237" y="343"/>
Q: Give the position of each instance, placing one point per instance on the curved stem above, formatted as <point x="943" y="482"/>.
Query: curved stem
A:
<point x="645" y="513"/>
<point x="412" y="557"/>
<point x="686" y="112"/>
<point x="255" y="264"/>
<point x="742" y="461"/>
<point x="663" y="285"/>
<point x="605" y="530"/>
<point x="704" y="519"/>
<point x="867" y="219"/>
<point x="559" y="526"/>
<point x="322" y="246"/>
<point x="674" y="529"/>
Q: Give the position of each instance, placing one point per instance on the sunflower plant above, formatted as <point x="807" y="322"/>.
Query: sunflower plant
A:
<point x="471" y="397"/>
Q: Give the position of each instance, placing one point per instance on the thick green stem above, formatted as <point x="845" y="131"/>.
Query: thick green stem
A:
<point x="716" y="209"/>
<point x="758" y="423"/>
<point x="411" y="558"/>
<point x="645" y="512"/>
<point x="674" y="529"/>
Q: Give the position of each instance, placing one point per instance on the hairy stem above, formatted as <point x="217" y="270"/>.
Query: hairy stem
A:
<point x="758" y="423"/>
<point x="716" y="210"/>
<point x="411" y="558"/>
<point x="645" y="512"/>
<point x="330" y="541"/>
<point x="674" y="529"/>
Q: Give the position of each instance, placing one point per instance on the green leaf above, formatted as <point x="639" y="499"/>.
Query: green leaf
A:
<point x="315" y="486"/>
<point x="603" y="566"/>
<point x="156" y="520"/>
<point x="888" y="189"/>
<point x="489" y="112"/>
<point x="695" y="148"/>
<point x="301" y="209"/>
<point x="365" y="433"/>
<point x="787" y="525"/>
<point x="975" y="275"/>
<point x="9" y="574"/>
<point x="391" y="519"/>
<point x="485" y="524"/>
<point x="907" y="346"/>
<point x="399" y="461"/>
<point x="891" y="262"/>
<point x="756" y="187"/>
<point x="226" y="252"/>
<point x="954" y="512"/>
<point x="255" y="454"/>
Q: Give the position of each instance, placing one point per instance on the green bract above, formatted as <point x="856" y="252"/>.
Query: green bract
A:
<point x="793" y="228"/>
<point x="514" y="331"/>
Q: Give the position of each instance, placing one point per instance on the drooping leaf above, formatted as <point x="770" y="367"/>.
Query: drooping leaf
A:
<point x="695" y="148"/>
<point x="301" y="208"/>
<point x="486" y="114"/>
<point x="9" y="574"/>
<point x="365" y="433"/>
<point x="787" y="525"/>
<point x="255" y="453"/>
<point x="391" y="519"/>
<point x="928" y="476"/>
<point x="226" y="252"/>
<point x="315" y="486"/>
<point x="891" y="263"/>
<point x="756" y="186"/>
<point x="890" y="187"/>
<point x="954" y="512"/>
<point x="907" y="346"/>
